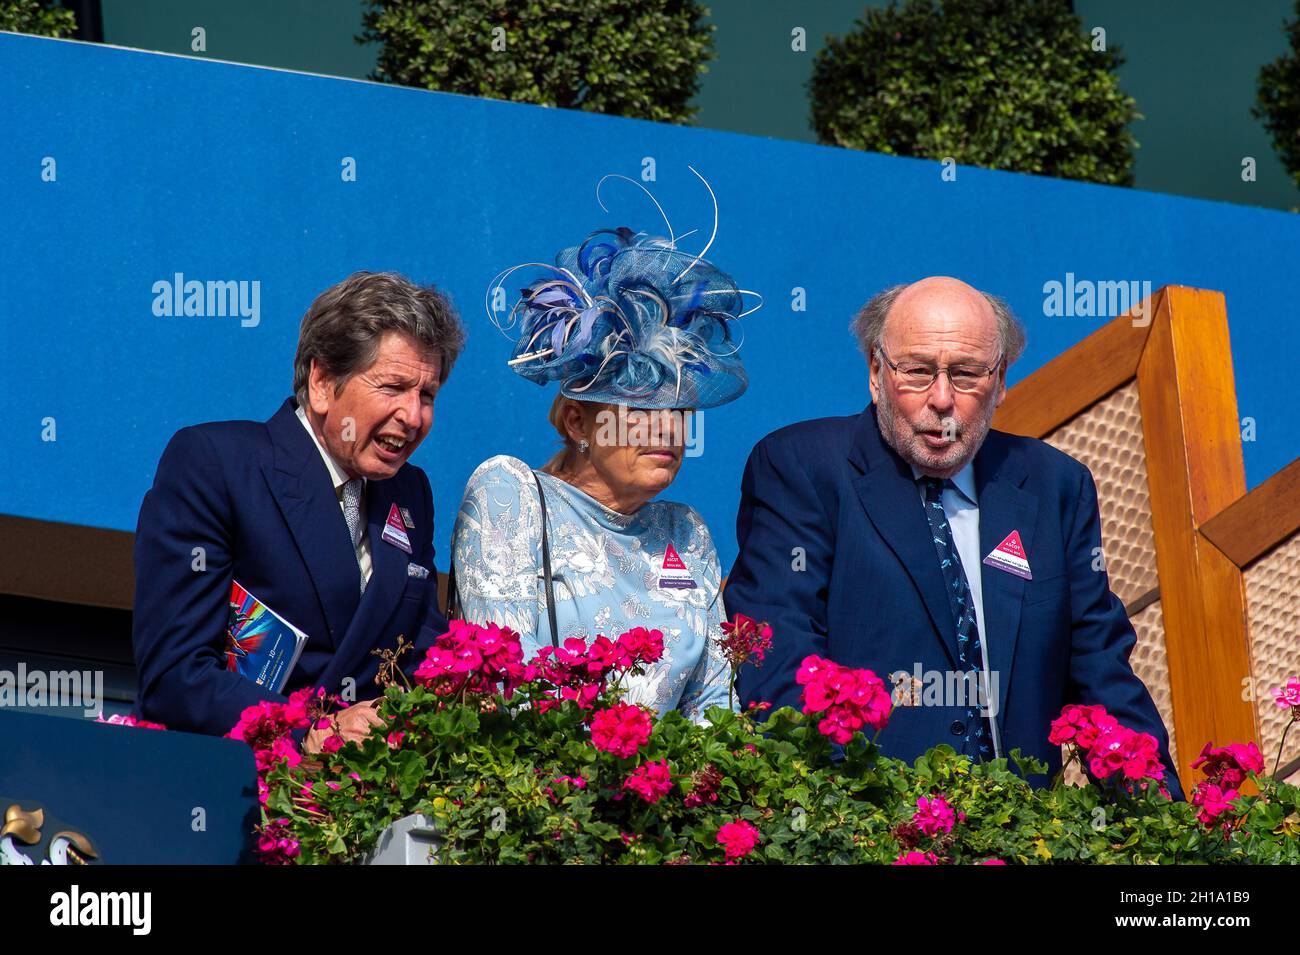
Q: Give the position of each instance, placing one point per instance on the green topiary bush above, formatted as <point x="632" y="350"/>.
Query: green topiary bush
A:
<point x="1278" y="101"/>
<point x="637" y="58"/>
<point x="38" y="17"/>
<point x="1006" y="84"/>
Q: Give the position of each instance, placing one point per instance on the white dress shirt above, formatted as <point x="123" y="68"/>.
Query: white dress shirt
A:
<point x="340" y="477"/>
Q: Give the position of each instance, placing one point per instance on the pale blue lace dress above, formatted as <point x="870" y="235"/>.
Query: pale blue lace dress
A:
<point x="609" y="576"/>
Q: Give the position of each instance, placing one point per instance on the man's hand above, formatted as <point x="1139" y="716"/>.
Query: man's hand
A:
<point x="353" y="724"/>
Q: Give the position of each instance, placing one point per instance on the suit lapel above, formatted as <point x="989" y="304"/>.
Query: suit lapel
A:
<point x="387" y="579"/>
<point x="302" y="488"/>
<point x="1005" y="506"/>
<point x="893" y="503"/>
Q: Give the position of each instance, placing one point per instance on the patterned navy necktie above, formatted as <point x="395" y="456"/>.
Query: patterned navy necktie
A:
<point x="969" y="655"/>
<point x="352" y="491"/>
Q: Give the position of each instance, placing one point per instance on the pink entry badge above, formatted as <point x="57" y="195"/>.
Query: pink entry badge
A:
<point x="673" y="572"/>
<point x="1010" y="556"/>
<point x="395" y="531"/>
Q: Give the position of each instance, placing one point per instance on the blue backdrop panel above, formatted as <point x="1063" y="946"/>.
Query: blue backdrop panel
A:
<point x="170" y="165"/>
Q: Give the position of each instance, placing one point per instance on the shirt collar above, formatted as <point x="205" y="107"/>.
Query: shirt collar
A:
<point x="963" y="480"/>
<point x="337" y="474"/>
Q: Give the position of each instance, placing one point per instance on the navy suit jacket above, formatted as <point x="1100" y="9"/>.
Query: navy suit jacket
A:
<point x="258" y="498"/>
<point x="869" y="591"/>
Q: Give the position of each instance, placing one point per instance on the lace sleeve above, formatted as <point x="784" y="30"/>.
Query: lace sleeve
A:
<point x="496" y="546"/>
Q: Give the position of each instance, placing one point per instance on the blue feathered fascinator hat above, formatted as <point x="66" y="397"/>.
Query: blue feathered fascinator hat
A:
<point x="629" y="318"/>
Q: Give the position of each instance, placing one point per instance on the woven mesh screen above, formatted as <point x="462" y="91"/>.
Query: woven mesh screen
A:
<point x="1107" y="438"/>
<point x="1272" y="583"/>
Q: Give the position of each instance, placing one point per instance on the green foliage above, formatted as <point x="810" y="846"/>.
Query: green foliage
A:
<point x="37" y="17"/>
<point x="1006" y="84"/>
<point x="488" y="772"/>
<point x="1278" y="100"/>
<point x="1269" y="827"/>
<point x="638" y="58"/>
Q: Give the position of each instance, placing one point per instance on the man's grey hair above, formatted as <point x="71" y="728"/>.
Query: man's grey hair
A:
<point x="868" y="325"/>
<point x="344" y="326"/>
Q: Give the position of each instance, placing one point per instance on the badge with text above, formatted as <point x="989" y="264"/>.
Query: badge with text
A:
<point x="395" y="531"/>
<point x="1010" y="556"/>
<point x="673" y="574"/>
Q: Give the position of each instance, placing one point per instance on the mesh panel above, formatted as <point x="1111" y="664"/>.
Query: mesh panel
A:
<point x="1107" y="438"/>
<point x="1151" y="665"/>
<point x="1272" y="583"/>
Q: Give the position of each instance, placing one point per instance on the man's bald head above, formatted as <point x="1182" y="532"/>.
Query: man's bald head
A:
<point x="951" y="297"/>
<point x="920" y="332"/>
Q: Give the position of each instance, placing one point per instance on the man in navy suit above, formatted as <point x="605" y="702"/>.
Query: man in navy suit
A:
<point x="911" y="539"/>
<point x="315" y="512"/>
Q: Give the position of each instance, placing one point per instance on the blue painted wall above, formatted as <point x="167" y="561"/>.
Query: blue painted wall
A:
<point x="168" y="164"/>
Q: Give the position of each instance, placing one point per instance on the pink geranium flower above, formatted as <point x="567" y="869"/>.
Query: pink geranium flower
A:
<point x="933" y="816"/>
<point x="917" y="858"/>
<point x="1289" y="696"/>
<point x="745" y="638"/>
<point x="262" y="723"/>
<point x="1227" y="766"/>
<point x="1109" y="749"/>
<point x="639" y="646"/>
<point x="704" y="787"/>
<point x="476" y="660"/>
<point x="650" y="781"/>
<point x="1081" y="725"/>
<point x="1124" y="752"/>
<point x="621" y="729"/>
<point x="116" y="720"/>
<point x="846" y="699"/>
<point x="275" y="845"/>
<point x="585" y="694"/>
<point x="1214" y="801"/>
<point x="738" y="839"/>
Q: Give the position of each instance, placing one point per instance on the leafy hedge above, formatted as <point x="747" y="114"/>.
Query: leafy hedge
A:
<point x="1278" y="101"/>
<point x="37" y="17"/>
<point x="543" y="763"/>
<point x="1006" y="84"/>
<point x="640" y="59"/>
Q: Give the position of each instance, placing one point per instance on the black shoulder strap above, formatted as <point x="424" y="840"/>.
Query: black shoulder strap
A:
<point x="546" y="566"/>
<point x="453" y="596"/>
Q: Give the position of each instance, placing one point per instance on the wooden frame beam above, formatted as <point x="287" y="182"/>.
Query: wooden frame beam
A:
<point x="1195" y="470"/>
<point x="1250" y="527"/>
<point x="1076" y="379"/>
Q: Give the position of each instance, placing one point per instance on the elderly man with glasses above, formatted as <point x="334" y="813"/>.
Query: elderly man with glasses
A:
<point x="911" y="539"/>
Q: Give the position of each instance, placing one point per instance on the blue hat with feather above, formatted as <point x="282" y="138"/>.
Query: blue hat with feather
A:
<point x="629" y="318"/>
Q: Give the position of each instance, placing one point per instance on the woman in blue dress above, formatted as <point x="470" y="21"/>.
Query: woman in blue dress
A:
<point x="638" y="333"/>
